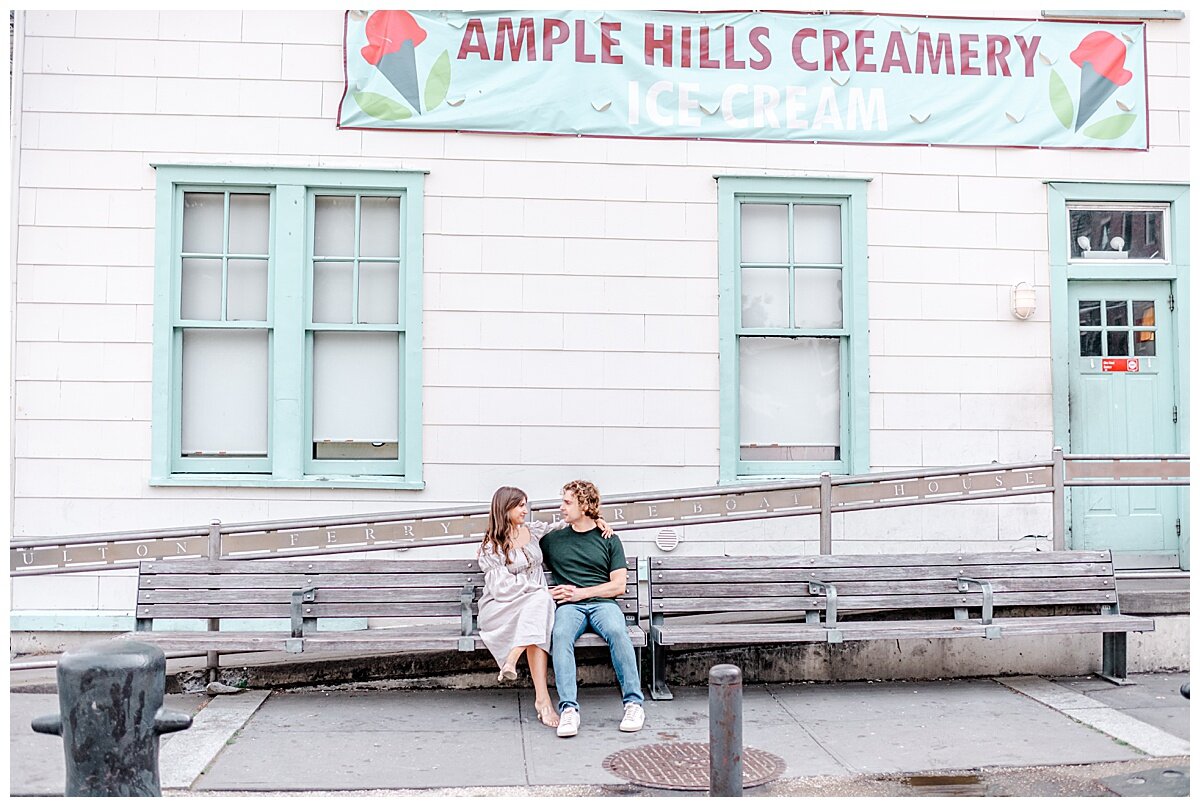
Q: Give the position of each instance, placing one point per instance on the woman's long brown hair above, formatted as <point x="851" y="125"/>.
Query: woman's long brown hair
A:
<point x="500" y="535"/>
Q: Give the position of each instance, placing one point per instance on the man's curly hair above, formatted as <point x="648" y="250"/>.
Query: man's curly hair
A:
<point x="587" y="496"/>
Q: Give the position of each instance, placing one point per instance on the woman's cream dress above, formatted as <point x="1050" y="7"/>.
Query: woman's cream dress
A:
<point x="516" y="609"/>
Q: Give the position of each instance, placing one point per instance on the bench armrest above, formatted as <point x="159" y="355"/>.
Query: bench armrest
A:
<point x="964" y="585"/>
<point x="830" y="592"/>
<point x="468" y="621"/>
<point x="298" y="599"/>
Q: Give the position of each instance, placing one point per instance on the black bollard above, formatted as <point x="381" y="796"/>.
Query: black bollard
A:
<point x="1186" y="690"/>
<point x="725" y="731"/>
<point x="110" y="695"/>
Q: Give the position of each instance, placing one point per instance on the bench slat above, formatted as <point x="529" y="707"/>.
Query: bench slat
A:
<point x="738" y="634"/>
<point x="298" y="581"/>
<point x="868" y="561"/>
<point x="207" y="596"/>
<point x="972" y="599"/>
<point x="1035" y="625"/>
<point x="939" y="586"/>
<point x="311" y="565"/>
<point x="838" y="574"/>
<point x="228" y="642"/>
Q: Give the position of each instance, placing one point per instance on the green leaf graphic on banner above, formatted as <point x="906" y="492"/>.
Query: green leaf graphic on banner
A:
<point x="1060" y="100"/>
<point x="438" y="82"/>
<point x="381" y="107"/>
<point x="1110" y="128"/>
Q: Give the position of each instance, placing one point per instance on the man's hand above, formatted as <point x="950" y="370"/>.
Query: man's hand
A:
<point x="565" y="593"/>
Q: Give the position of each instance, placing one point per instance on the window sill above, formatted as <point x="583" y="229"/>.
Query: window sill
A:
<point x="260" y="481"/>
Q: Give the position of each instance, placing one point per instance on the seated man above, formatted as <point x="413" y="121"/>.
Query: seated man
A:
<point x="590" y="570"/>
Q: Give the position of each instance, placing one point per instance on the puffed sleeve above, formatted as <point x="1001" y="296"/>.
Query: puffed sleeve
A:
<point x="498" y="581"/>
<point x="538" y="529"/>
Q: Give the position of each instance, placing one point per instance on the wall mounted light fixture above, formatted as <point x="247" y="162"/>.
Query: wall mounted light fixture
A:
<point x="1022" y="300"/>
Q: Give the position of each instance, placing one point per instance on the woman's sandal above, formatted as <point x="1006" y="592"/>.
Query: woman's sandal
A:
<point x="507" y="673"/>
<point x="546" y="714"/>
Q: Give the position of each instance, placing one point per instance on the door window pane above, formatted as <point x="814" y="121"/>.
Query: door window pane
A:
<point x="247" y="290"/>
<point x="380" y="227"/>
<point x="1143" y="343"/>
<point x="1111" y="234"/>
<point x="1116" y="312"/>
<point x="1089" y="313"/>
<point x="1089" y="343"/>
<point x="818" y="298"/>
<point x="204" y="223"/>
<point x="789" y="398"/>
<point x="224" y="406"/>
<point x="200" y="292"/>
<point x="333" y="291"/>
<point x="1118" y="343"/>
<point x="249" y="223"/>
<point x="334" y="228"/>
<point x="1143" y="312"/>
<point x="379" y="293"/>
<point x="818" y="233"/>
<point x="764" y="298"/>
<point x="764" y="233"/>
<point x="344" y="366"/>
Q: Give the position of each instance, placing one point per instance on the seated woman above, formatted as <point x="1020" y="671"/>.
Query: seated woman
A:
<point x="516" y="612"/>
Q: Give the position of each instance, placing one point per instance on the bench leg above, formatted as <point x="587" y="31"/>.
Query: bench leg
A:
<point x="213" y="666"/>
<point x="658" y="673"/>
<point x="1115" y="669"/>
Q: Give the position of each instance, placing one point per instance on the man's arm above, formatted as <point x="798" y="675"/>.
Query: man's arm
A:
<point x="615" y="587"/>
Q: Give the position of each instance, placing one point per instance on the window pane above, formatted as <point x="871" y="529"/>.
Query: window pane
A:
<point x="818" y="298"/>
<point x="764" y="233"/>
<point x="224" y="392"/>
<point x="204" y="222"/>
<point x="818" y="237"/>
<point x="1118" y="343"/>
<point x="1143" y="312"/>
<point x="1089" y="313"/>
<point x="1143" y="343"/>
<point x="380" y="227"/>
<point x="1089" y="343"/>
<point x="1116" y="312"/>
<point x="334" y="227"/>
<point x="200" y="291"/>
<point x="249" y="223"/>
<point x="789" y="398"/>
<point x="344" y="365"/>
<point x="1117" y="234"/>
<point x="333" y="292"/>
<point x="764" y="298"/>
<point x="247" y="290"/>
<point x="379" y="293"/>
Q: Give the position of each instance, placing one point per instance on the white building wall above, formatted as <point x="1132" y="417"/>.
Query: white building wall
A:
<point x="570" y="289"/>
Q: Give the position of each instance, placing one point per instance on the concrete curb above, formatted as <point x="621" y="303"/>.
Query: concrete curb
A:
<point x="181" y="763"/>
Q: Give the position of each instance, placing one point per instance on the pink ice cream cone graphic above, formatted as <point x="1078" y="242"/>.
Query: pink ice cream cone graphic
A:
<point x="392" y="39"/>
<point x="1101" y="58"/>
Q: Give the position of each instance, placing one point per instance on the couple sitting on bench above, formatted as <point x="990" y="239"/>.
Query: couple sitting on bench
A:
<point x="518" y="613"/>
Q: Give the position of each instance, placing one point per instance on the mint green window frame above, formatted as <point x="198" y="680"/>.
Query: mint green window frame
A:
<point x="851" y="196"/>
<point x="289" y="418"/>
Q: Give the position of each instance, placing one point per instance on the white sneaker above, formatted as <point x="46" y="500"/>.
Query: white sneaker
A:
<point x="634" y="717"/>
<point x="568" y="723"/>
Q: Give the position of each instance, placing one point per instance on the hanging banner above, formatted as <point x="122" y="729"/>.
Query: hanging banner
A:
<point x="750" y="76"/>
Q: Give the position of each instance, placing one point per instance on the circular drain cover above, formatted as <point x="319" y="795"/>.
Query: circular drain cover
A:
<point x="684" y="766"/>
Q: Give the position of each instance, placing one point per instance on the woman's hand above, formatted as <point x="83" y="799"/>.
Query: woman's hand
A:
<point x="605" y="530"/>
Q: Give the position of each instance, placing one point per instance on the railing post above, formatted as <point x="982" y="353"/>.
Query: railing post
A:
<point x="214" y="553"/>
<point x="1059" y="503"/>
<point x="725" y="730"/>
<point x="826" y="514"/>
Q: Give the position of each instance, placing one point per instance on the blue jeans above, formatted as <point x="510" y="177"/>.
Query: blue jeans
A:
<point x="605" y="618"/>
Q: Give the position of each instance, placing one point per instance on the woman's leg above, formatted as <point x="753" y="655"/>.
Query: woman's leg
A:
<point x="539" y="661"/>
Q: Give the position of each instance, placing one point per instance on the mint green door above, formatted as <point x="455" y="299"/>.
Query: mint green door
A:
<point x="1122" y="401"/>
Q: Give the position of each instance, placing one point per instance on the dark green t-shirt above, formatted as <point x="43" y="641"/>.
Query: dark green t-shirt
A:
<point x="582" y="559"/>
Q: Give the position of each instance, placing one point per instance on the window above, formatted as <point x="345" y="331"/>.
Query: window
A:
<point x="287" y="327"/>
<point x="793" y="325"/>
<point x="1101" y="232"/>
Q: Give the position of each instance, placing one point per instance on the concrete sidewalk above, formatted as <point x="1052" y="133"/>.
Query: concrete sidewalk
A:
<point x="489" y="740"/>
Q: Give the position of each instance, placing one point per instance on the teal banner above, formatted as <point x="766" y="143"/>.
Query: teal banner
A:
<point x="750" y="76"/>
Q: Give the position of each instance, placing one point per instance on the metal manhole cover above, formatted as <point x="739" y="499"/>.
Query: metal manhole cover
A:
<point x="684" y="766"/>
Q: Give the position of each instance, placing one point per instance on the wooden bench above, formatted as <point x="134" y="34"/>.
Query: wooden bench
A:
<point x="438" y="598"/>
<point x="858" y="597"/>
